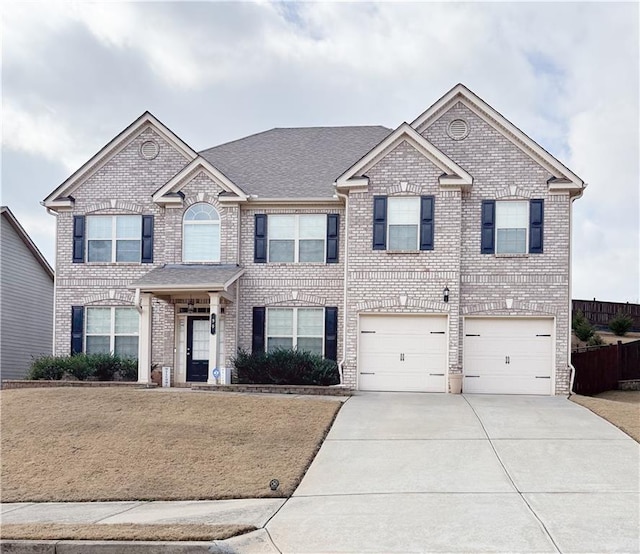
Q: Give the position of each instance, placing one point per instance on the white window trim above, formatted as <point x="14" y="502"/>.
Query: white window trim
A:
<point x="202" y="222"/>
<point x="417" y="247"/>
<point x="114" y="232"/>
<point x="526" y="232"/>
<point x="296" y="240"/>
<point x="295" y="336"/>
<point x="112" y="328"/>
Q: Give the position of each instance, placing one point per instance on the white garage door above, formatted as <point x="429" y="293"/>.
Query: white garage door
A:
<point x="402" y="353"/>
<point x="508" y="355"/>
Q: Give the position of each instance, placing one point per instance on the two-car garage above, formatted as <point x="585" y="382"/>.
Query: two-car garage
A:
<point x="501" y="355"/>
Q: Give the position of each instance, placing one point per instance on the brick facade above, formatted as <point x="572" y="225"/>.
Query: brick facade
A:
<point x="376" y="280"/>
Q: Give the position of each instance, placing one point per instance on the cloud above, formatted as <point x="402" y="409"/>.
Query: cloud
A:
<point x="42" y="133"/>
<point x="75" y="74"/>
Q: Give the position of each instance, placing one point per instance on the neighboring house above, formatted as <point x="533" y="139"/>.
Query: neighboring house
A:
<point x="440" y="247"/>
<point x="26" y="300"/>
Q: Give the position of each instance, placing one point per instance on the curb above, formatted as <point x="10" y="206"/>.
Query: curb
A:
<point x="105" y="547"/>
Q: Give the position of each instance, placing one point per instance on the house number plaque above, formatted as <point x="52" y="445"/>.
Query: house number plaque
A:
<point x="213" y="324"/>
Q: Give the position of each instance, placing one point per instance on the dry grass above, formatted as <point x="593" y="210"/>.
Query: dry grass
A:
<point x="71" y="444"/>
<point x="121" y="532"/>
<point x="622" y="408"/>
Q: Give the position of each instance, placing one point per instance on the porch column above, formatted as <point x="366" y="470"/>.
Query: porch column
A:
<point x="144" y="340"/>
<point x="214" y="308"/>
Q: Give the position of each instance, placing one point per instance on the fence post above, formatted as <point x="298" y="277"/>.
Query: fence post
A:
<point x="619" y="355"/>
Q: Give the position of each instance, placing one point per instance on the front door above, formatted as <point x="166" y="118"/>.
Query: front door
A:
<point x="197" y="348"/>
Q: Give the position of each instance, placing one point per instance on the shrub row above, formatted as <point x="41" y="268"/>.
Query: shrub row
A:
<point x="92" y="367"/>
<point x="285" y="367"/>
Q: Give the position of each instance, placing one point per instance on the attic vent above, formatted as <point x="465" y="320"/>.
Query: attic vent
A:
<point x="458" y="129"/>
<point x="149" y="149"/>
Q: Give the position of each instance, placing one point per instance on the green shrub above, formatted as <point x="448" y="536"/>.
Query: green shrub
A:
<point x="95" y="367"/>
<point x="578" y="319"/>
<point x="621" y="324"/>
<point x="285" y="367"/>
<point x="48" y="367"/>
<point x="595" y="340"/>
<point x="581" y="326"/>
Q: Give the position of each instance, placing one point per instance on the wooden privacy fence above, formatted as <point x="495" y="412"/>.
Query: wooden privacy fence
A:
<point x="601" y="313"/>
<point x="599" y="370"/>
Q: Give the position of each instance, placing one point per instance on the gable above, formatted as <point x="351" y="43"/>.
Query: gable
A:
<point x="451" y="173"/>
<point x="169" y="193"/>
<point x="562" y="178"/>
<point x="9" y="221"/>
<point x="62" y="197"/>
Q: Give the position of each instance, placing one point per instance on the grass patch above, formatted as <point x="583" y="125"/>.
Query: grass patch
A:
<point x="72" y="444"/>
<point x="621" y="408"/>
<point x="121" y="532"/>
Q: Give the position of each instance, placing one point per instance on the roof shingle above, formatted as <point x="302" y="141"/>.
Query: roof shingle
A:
<point x="294" y="162"/>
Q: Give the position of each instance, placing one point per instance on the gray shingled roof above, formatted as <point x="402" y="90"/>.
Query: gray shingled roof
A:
<point x="294" y="163"/>
<point x="185" y="276"/>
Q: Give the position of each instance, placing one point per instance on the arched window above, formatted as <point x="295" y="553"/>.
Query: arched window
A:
<point x="201" y="234"/>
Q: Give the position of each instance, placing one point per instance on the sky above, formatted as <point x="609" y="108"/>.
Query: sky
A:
<point x="76" y="74"/>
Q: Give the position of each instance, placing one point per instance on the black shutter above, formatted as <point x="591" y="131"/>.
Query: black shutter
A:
<point x="77" y="329"/>
<point x="78" y="239"/>
<point x="257" y="340"/>
<point x="331" y="333"/>
<point x="426" y="222"/>
<point x="379" y="222"/>
<point x="488" y="226"/>
<point x="333" y="226"/>
<point x="536" y="225"/>
<point x="260" y="239"/>
<point x="147" y="239"/>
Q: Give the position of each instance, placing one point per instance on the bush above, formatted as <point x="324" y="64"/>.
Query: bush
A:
<point x="285" y="367"/>
<point x="95" y="367"/>
<point x="581" y="326"/>
<point x="595" y="340"/>
<point x="48" y="367"/>
<point x="621" y="324"/>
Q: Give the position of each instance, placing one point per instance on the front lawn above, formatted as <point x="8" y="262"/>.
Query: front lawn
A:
<point x="72" y="444"/>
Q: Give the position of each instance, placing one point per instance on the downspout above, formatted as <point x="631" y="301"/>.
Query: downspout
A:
<point x="136" y="301"/>
<point x="344" y="292"/>
<point x="572" y="369"/>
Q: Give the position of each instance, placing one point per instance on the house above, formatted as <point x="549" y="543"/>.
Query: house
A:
<point x="441" y="247"/>
<point x="26" y="299"/>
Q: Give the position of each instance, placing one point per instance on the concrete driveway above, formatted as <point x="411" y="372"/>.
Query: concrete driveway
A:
<point x="402" y="472"/>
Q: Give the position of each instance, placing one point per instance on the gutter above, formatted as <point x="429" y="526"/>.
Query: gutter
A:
<point x="344" y="292"/>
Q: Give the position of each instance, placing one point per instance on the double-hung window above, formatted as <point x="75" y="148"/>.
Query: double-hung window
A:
<point x="112" y="330"/>
<point x="296" y="329"/>
<point x="512" y="227"/>
<point x="512" y="219"/>
<point x="297" y="238"/>
<point x="114" y="238"/>
<point x="403" y="223"/>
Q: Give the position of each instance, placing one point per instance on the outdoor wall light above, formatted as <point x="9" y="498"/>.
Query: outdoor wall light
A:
<point x="190" y="306"/>
<point x="445" y="294"/>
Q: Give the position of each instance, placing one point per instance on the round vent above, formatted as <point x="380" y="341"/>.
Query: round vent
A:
<point x="458" y="129"/>
<point x="149" y="150"/>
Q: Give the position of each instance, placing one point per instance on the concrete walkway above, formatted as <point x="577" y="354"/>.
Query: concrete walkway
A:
<point x="468" y="473"/>
<point x="419" y="473"/>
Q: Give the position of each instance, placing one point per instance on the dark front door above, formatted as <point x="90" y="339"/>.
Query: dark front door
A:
<point x="197" y="348"/>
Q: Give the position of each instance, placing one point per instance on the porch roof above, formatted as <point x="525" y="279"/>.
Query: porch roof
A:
<point x="188" y="277"/>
